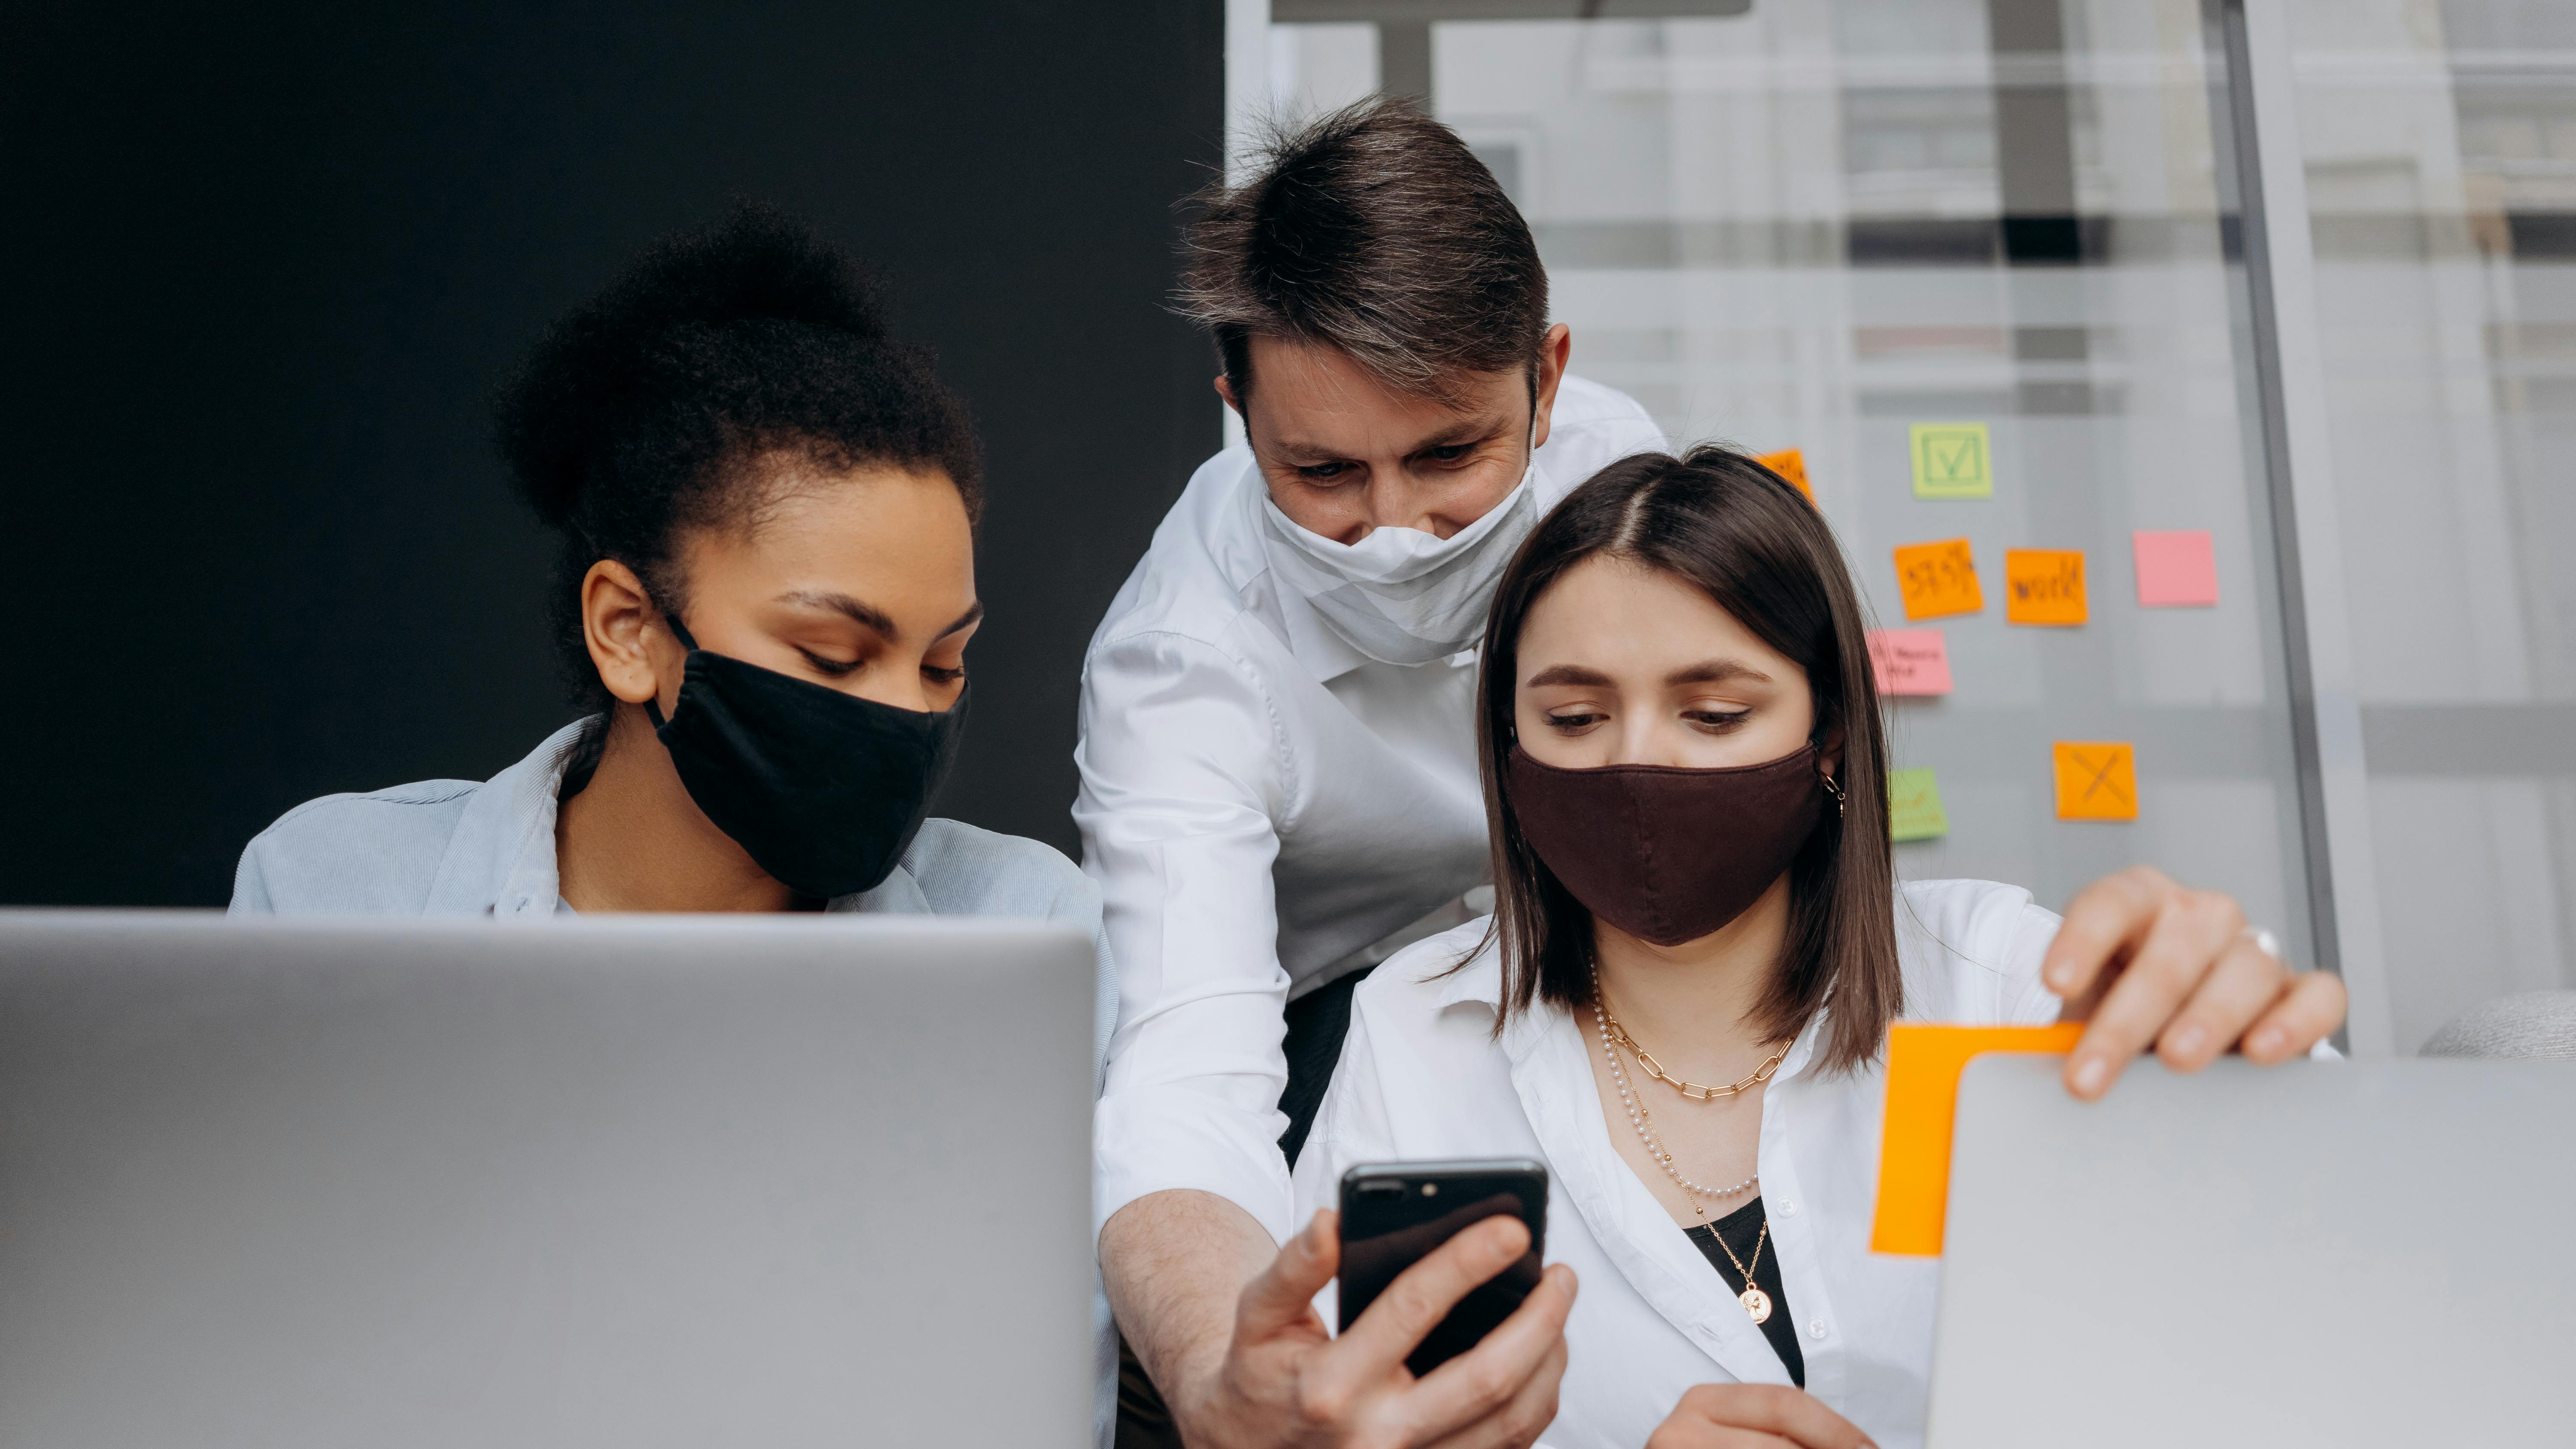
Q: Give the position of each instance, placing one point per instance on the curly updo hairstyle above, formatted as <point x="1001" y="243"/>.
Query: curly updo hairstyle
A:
<point x="664" y="405"/>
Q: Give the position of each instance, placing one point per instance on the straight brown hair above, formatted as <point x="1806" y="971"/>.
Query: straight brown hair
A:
<point x="1753" y="543"/>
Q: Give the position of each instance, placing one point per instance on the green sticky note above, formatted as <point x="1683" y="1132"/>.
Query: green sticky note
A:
<point x="1914" y="805"/>
<point x="1952" y="460"/>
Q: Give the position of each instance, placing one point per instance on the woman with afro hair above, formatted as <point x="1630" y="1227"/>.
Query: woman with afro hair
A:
<point x="762" y="604"/>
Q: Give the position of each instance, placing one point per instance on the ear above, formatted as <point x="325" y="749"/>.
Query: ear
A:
<point x="1225" y="389"/>
<point x="1829" y="753"/>
<point x="630" y="646"/>
<point x="1553" y="350"/>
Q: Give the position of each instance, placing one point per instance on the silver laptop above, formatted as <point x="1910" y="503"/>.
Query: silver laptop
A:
<point x="638" y="1182"/>
<point x="2328" y="1253"/>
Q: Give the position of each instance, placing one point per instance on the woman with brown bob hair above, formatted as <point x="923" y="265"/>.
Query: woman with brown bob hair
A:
<point x="1681" y="999"/>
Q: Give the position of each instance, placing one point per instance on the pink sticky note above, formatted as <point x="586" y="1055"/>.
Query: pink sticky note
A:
<point x="2176" y="570"/>
<point x="1910" y="661"/>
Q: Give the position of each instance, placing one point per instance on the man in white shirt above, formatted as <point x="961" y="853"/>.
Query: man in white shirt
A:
<point x="1279" y="779"/>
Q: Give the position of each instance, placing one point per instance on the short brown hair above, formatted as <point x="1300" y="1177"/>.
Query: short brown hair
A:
<point x="1375" y="231"/>
<point x="1736" y="530"/>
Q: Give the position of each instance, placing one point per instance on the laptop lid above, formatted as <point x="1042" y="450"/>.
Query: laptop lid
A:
<point x="630" y="1182"/>
<point x="2326" y="1253"/>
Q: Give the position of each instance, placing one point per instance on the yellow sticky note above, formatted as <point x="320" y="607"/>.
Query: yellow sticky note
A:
<point x="2044" y="585"/>
<point x="2097" y="780"/>
<point x="1923" y="1066"/>
<point x="1952" y="460"/>
<point x="1938" y="579"/>
<point x="1914" y="805"/>
<point x="1791" y="464"/>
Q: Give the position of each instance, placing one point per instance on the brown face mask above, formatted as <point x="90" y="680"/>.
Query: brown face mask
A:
<point x="1664" y="853"/>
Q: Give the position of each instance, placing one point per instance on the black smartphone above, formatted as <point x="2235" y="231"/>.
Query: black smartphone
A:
<point x="1395" y="1213"/>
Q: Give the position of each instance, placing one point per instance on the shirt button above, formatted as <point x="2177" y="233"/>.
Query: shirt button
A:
<point x="1788" y="1210"/>
<point x="1816" y="1329"/>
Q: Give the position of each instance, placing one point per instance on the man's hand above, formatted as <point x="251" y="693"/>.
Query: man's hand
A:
<point x="1286" y="1382"/>
<point x="1754" y="1416"/>
<point x="2147" y="962"/>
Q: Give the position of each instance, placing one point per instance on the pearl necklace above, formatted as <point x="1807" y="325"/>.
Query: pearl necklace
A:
<point x="1643" y="1121"/>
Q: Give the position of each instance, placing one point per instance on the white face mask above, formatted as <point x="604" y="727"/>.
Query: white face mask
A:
<point x="1400" y="595"/>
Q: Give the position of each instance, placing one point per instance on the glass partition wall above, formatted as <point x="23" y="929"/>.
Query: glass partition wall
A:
<point x="1984" y="265"/>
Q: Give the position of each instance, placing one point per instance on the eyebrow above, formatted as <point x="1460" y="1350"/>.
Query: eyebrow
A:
<point x="1712" y="671"/>
<point x="1464" y="430"/>
<point x="1707" y="671"/>
<point x="868" y="614"/>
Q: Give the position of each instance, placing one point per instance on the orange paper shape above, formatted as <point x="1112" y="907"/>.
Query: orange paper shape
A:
<point x="1938" y="579"/>
<point x="1791" y="464"/>
<point x="2097" y="780"/>
<point x="2044" y="586"/>
<point x="1924" y="1061"/>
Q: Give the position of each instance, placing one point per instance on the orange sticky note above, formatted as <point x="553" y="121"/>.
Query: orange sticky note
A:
<point x="2097" y="780"/>
<point x="1791" y="464"/>
<point x="2044" y="586"/>
<point x="1938" y="579"/>
<point x="1924" y="1061"/>
<point x="2176" y="570"/>
<point x="1910" y="661"/>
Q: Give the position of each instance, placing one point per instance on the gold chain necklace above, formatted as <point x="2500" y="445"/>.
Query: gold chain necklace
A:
<point x="1647" y="1064"/>
<point x="1757" y="1304"/>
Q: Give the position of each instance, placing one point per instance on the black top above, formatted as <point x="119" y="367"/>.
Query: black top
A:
<point x="1743" y="1227"/>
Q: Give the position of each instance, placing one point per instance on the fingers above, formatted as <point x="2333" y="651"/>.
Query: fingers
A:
<point x="1520" y="1421"/>
<point x="1478" y="1383"/>
<point x="1731" y="1415"/>
<point x="2244" y="982"/>
<point x="2189" y="932"/>
<point x="2300" y="1017"/>
<point x="1283" y="1295"/>
<point x="1422" y="1295"/>
<point x="2105" y="924"/>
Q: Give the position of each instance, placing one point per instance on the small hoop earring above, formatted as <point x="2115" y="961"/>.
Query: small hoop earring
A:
<point x="1834" y="790"/>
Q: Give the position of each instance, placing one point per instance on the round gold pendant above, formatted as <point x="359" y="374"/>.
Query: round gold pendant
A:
<point x="1757" y="1303"/>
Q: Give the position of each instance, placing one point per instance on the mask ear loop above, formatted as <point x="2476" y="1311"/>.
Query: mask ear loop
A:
<point x="679" y="631"/>
<point x="1832" y="789"/>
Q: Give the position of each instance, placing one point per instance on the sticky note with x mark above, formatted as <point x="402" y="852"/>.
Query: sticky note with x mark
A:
<point x="2097" y="780"/>
<point x="1952" y="460"/>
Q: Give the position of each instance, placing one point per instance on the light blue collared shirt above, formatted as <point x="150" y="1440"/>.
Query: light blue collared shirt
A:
<point x="456" y="848"/>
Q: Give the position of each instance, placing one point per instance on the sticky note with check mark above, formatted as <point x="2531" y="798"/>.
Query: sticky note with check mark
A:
<point x="1952" y="460"/>
<point x="1924" y="1061"/>
<point x="1938" y="579"/>
<point x="1791" y="464"/>
<point x="2097" y="780"/>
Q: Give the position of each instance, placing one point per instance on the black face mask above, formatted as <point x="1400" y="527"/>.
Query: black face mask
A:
<point x="823" y="789"/>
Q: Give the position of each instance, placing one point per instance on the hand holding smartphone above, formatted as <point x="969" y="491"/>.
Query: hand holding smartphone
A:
<point x="1394" y="1214"/>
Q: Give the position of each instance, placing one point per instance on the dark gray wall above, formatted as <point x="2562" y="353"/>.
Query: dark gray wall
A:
<point x="263" y="269"/>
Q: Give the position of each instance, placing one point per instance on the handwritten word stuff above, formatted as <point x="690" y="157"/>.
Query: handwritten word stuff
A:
<point x="1938" y="579"/>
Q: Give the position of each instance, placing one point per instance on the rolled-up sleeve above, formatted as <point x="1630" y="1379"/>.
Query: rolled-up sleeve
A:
<point x="1183" y="777"/>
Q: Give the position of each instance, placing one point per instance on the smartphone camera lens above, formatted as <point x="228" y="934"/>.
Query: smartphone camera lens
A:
<point x="1382" y="1188"/>
<point x="1431" y="1189"/>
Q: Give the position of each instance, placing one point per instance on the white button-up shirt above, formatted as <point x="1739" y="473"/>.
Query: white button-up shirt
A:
<point x="1422" y="1076"/>
<point x="1260" y="803"/>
